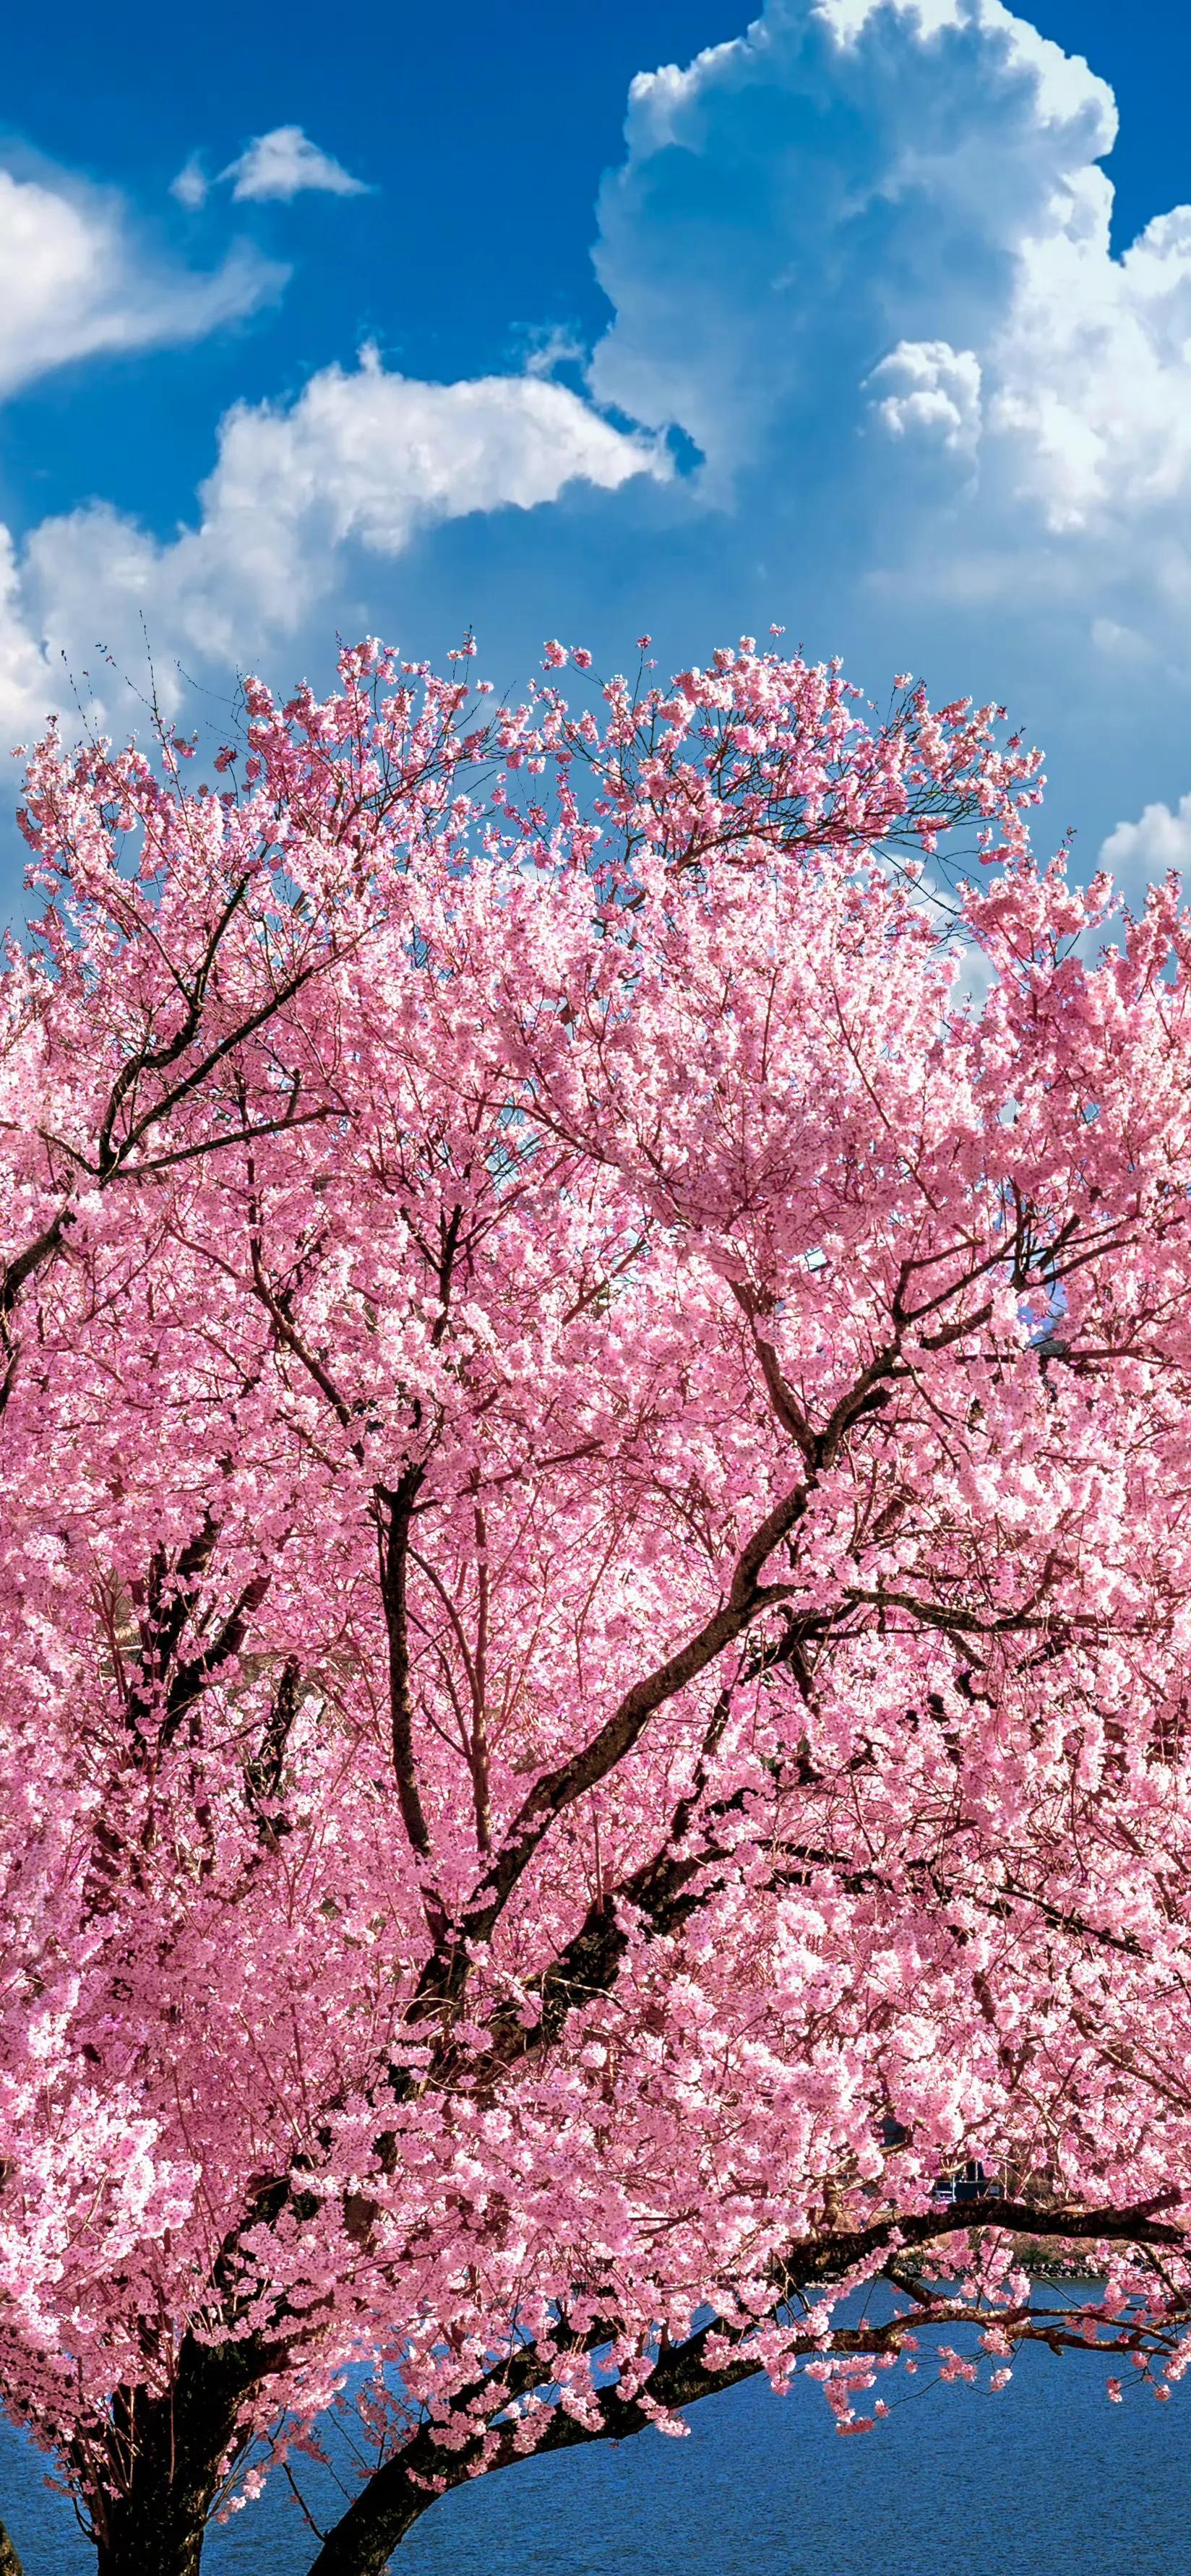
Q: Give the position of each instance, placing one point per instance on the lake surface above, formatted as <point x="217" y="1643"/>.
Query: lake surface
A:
<point x="1047" y="2479"/>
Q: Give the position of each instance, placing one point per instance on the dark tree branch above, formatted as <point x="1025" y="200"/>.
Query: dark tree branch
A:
<point x="155" y="1059"/>
<point x="441" y="1983"/>
<point x="363" y="2540"/>
<point x="393" y="1513"/>
<point x="263" y="1775"/>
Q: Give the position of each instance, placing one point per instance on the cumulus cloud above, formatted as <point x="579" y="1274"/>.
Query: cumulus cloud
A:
<point x="861" y="255"/>
<point x="1158" y="841"/>
<point x="76" y="280"/>
<point x="903" y="197"/>
<point x="856" y="179"/>
<point x="358" y="465"/>
<point x="284" y="162"/>
<point x="926" y="388"/>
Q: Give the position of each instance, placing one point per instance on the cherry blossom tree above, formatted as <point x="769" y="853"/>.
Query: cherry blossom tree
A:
<point x="595" y="1584"/>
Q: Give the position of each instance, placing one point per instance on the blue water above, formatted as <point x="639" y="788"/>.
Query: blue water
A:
<point x="1047" y="2479"/>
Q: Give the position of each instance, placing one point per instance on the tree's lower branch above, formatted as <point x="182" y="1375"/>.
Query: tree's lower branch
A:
<point x="363" y="2540"/>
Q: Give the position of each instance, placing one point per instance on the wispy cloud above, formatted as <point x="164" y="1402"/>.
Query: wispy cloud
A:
<point x="192" y="186"/>
<point x="282" y="164"/>
<point x="79" y="277"/>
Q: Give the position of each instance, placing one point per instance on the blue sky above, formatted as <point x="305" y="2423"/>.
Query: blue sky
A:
<point x="843" y="329"/>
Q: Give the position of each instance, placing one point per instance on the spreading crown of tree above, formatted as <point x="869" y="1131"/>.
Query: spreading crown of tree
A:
<point x="595" y="1581"/>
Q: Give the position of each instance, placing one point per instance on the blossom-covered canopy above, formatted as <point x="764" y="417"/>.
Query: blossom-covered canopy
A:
<point x="595" y="1580"/>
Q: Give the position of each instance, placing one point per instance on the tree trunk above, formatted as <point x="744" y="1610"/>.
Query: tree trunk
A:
<point x="10" y="2564"/>
<point x="157" y="2530"/>
<point x="154" y="2526"/>
<point x="167" y="2457"/>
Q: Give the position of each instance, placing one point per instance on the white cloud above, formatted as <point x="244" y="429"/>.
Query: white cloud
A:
<point x="861" y="255"/>
<point x="1063" y="84"/>
<point x="192" y="186"/>
<point x="903" y="197"/>
<point x="284" y="162"/>
<point x="76" y="280"/>
<point x="926" y="387"/>
<point x="1094" y="362"/>
<point x="1159" y="840"/>
<point x="552" y="347"/>
<point x="362" y="461"/>
<point x="842" y="182"/>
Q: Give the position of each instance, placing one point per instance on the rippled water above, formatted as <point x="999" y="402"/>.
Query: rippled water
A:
<point x="1047" y="2479"/>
